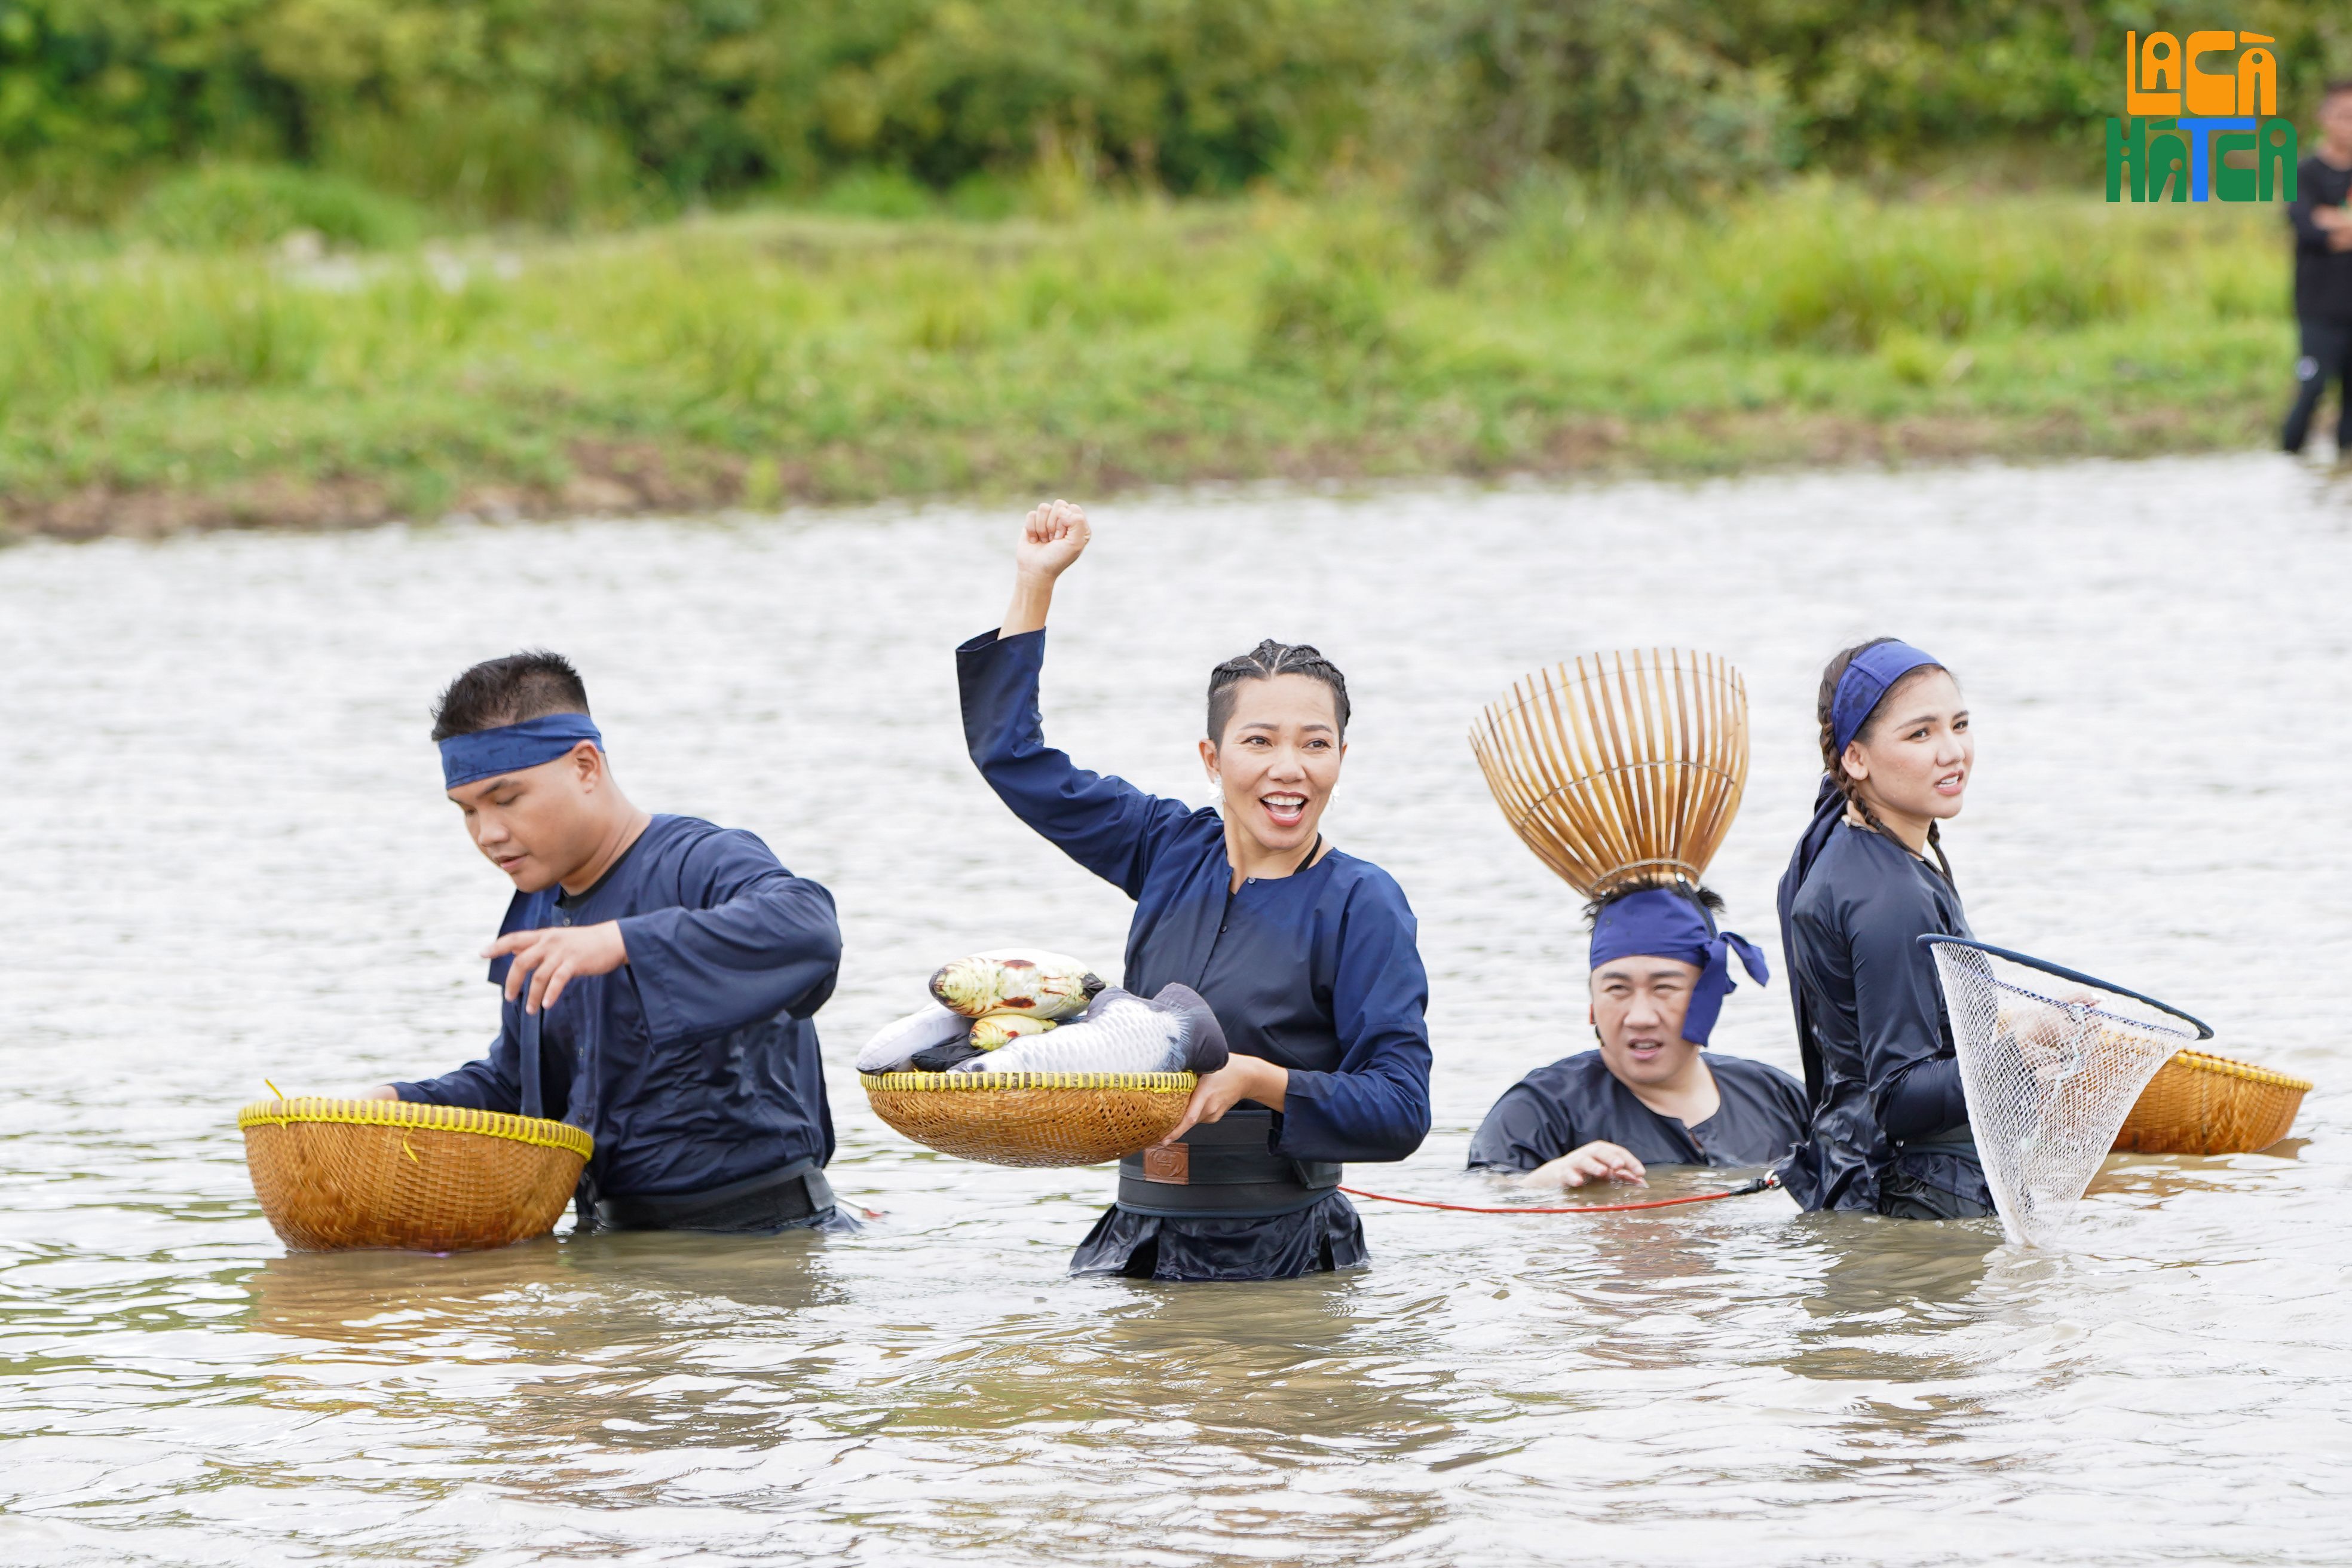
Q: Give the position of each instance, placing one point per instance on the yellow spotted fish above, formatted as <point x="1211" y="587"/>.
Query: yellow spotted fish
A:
<point x="1029" y="981"/>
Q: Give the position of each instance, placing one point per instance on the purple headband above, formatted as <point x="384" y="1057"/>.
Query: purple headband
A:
<point x="1868" y="677"/>
<point x="1658" y="922"/>
<point x="510" y="748"/>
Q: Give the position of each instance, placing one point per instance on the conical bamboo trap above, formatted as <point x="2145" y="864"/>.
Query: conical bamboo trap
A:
<point x="336" y="1174"/>
<point x="2201" y="1104"/>
<point x="1620" y="770"/>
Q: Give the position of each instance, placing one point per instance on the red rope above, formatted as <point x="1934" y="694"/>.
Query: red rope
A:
<point x="1587" y="1208"/>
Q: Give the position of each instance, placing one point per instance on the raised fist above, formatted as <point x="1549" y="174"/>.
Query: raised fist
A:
<point x="1054" y="536"/>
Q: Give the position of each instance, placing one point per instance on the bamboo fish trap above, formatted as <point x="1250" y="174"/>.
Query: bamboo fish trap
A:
<point x="338" y="1173"/>
<point x="1620" y="770"/>
<point x="2201" y="1104"/>
<point x="1036" y="1119"/>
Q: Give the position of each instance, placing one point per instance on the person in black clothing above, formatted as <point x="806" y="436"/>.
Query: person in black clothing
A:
<point x="1890" y="1129"/>
<point x="1660" y="971"/>
<point x="2322" y="215"/>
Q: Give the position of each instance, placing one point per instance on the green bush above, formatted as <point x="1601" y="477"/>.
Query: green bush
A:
<point x="236" y="205"/>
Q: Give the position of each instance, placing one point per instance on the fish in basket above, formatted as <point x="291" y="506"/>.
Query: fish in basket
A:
<point x="2202" y="1104"/>
<point x="1026" y="1058"/>
<point x="339" y="1174"/>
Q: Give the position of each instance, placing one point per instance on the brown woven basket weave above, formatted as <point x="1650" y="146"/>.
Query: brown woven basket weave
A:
<point x="1032" y="1118"/>
<point x="2200" y="1104"/>
<point x="336" y="1173"/>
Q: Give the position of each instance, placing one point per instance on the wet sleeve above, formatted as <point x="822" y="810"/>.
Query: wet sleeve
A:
<point x="750" y="940"/>
<point x="1524" y="1130"/>
<point x="1105" y="824"/>
<point x="1376" y="1105"/>
<point x="494" y="1083"/>
<point x="2308" y="234"/>
<point x="1913" y="1081"/>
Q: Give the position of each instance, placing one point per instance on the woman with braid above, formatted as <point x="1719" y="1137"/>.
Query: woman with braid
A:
<point x="1890" y="1127"/>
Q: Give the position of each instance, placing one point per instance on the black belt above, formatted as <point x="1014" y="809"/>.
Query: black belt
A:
<point x="762" y="1203"/>
<point x="1223" y="1168"/>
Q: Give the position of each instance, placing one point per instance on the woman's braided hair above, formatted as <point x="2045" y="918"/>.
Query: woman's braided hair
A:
<point x="1833" y="763"/>
<point x="1264" y="662"/>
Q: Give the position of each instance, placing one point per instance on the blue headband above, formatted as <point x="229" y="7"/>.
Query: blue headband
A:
<point x="512" y="747"/>
<point x="1872" y="674"/>
<point x="1659" y="922"/>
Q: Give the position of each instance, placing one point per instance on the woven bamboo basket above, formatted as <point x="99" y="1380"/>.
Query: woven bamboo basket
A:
<point x="2200" y="1104"/>
<point x="1620" y="770"/>
<point x="1037" y="1119"/>
<point x="336" y="1174"/>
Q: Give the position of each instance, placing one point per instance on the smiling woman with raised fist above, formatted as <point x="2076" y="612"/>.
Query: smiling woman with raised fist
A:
<point x="1306" y="954"/>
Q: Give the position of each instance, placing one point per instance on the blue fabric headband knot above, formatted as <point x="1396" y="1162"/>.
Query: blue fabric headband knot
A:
<point x="1869" y="675"/>
<point x="510" y="748"/>
<point x="1659" y="922"/>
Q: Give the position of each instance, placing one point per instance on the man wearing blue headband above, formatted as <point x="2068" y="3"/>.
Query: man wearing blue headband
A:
<point x="658" y="973"/>
<point x="1660" y="972"/>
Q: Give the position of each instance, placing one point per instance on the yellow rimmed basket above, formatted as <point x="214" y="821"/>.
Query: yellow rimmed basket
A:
<point x="1036" y="1119"/>
<point x="338" y="1173"/>
<point x="2200" y="1104"/>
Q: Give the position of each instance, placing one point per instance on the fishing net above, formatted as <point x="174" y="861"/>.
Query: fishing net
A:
<point x="2052" y="1062"/>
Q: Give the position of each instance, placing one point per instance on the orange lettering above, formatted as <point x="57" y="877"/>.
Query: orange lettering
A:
<point x="2148" y="69"/>
<point x="2257" y="82"/>
<point x="2210" y="92"/>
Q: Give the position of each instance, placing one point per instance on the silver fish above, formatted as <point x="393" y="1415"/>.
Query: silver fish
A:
<point x="893" y="1047"/>
<point x="1176" y="1031"/>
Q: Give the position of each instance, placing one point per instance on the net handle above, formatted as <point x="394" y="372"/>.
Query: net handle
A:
<point x="1934" y="939"/>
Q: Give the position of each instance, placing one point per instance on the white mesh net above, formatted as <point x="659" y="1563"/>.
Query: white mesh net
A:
<point x="2051" y="1063"/>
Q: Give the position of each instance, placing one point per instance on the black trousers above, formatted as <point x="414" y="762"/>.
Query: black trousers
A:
<point x="2326" y="356"/>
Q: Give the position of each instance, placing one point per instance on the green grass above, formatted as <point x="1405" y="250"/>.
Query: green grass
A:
<point x="764" y="357"/>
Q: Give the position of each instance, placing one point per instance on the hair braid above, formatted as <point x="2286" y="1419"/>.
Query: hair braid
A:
<point x="1833" y="764"/>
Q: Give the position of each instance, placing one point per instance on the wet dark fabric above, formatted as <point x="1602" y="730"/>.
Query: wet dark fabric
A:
<point x="694" y="1064"/>
<point x="795" y="1197"/>
<point x="1319" y="971"/>
<point x="1327" y="1235"/>
<point x="1870" y="1015"/>
<point x="1223" y="1167"/>
<point x="2326" y="358"/>
<point x="2323" y="278"/>
<point x="1577" y="1099"/>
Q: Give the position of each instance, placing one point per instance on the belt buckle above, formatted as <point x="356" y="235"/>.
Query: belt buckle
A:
<point x="1170" y="1164"/>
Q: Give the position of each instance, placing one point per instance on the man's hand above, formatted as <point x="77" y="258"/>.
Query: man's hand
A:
<point x="1593" y="1162"/>
<point x="1242" y="1078"/>
<point x="550" y="959"/>
<point x="381" y="1091"/>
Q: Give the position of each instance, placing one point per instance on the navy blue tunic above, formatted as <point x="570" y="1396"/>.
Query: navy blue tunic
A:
<point x="1577" y="1099"/>
<point x="1319" y="971"/>
<point x="1888" y="1115"/>
<point x="694" y="1064"/>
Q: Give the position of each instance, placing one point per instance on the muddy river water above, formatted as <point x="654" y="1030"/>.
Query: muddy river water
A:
<point x="225" y="856"/>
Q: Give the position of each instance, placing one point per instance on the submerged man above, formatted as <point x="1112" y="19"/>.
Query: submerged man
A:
<point x="660" y="973"/>
<point x="1647" y="1096"/>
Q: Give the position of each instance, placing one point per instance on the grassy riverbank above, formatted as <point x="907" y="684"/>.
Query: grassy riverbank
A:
<point x="765" y="357"/>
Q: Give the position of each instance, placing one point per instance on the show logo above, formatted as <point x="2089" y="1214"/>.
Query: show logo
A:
<point x="2182" y="120"/>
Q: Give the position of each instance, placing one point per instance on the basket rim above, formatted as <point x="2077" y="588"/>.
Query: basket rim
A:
<point x="2206" y="1061"/>
<point x="537" y="1130"/>
<point x="930" y="1083"/>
